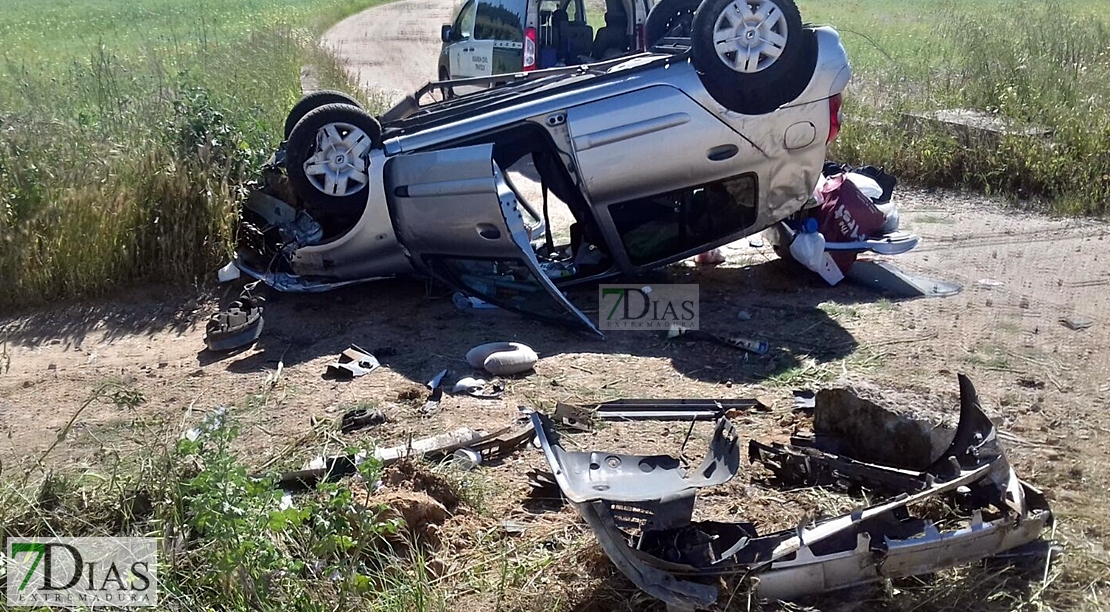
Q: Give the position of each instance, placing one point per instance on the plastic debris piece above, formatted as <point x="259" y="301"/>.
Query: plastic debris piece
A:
<point x="238" y="326"/>
<point x="467" y="458"/>
<point x="353" y="362"/>
<point x="468" y="385"/>
<point x="360" y="418"/>
<point x="228" y="273"/>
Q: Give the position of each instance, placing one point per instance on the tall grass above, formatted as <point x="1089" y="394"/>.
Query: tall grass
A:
<point x="1026" y="64"/>
<point x="129" y="131"/>
<point x="227" y="539"/>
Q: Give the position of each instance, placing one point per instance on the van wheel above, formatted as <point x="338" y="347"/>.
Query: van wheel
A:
<point x="669" y="18"/>
<point x="751" y="54"/>
<point x="329" y="157"/>
<point x="313" y="101"/>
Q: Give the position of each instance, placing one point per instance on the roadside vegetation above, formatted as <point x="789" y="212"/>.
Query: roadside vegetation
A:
<point x="1037" y="74"/>
<point x="128" y="131"/>
<point x="228" y="538"/>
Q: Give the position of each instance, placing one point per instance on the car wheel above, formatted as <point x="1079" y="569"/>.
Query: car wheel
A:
<point x="752" y="54"/>
<point x="313" y="101"/>
<point x="328" y="157"/>
<point x="669" y="18"/>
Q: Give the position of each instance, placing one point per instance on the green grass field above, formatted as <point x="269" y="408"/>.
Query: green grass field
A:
<point x="1044" y="65"/>
<point x="128" y="130"/>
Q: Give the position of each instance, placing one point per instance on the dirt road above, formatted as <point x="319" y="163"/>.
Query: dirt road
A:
<point x="392" y="48"/>
<point x="1045" y="384"/>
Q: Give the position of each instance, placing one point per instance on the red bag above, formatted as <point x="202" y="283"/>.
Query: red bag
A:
<point x="846" y="215"/>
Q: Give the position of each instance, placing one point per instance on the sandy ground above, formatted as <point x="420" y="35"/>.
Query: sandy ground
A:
<point x="1045" y="384"/>
<point x="392" y="48"/>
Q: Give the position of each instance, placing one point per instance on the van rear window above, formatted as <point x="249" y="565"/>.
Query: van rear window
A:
<point x="501" y="20"/>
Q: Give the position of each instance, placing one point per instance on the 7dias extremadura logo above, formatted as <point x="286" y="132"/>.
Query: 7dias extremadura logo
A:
<point x="82" y="572"/>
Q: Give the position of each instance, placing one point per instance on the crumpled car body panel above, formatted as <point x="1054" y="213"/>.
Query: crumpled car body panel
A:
<point x="439" y="203"/>
<point x="674" y="558"/>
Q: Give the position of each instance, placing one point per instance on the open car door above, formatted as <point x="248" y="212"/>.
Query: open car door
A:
<point x="459" y="219"/>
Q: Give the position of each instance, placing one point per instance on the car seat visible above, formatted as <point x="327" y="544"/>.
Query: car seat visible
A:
<point x="580" y="39"/>
<point x="612" y="38"/>
<point x="560" y="25"/>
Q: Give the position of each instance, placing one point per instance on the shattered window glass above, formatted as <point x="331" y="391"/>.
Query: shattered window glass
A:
<point x="662" y="226"/>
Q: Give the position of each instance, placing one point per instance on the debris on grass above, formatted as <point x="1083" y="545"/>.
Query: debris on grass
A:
<point x="353" y="362"/>
<point x="965" y="504"/>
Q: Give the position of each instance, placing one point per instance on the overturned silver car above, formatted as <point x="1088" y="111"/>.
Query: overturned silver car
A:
<point x="710" y="137"/>
<point x="641" y="508"/>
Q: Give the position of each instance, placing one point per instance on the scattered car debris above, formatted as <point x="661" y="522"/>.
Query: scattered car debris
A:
<point x="360" y="418"/>
<point x="436" y="380"/>
<point x="675" y="409"/>
<point x="468" y="384"/>
<point x="574" y="417"/>
<point x="238" y="326"/>
<point x="353" y="362"/>
<point x="462" y="301"/>
<point x="502" y="358"/>
<point x="804" y="400"/>
<point x="1076" y="323"/>
<point x="467" y="458"/>
<point x="435" y="385"/>
<point x="581" y="418"/>
<point x="756" y="347"/>
<point x="514" y="527"/>
<point x="479" y="388"/>
<point x="339" y="466"/>
<point x="228" y="273"/>
<point x="490" y="447"/>
<point x="641" y="510"/>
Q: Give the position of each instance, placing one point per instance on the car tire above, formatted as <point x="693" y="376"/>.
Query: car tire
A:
<point x="313" y="101"/>
<point x="667" y="17"/>
<point x="327" y="157"/>
<point x="758" y="77"/>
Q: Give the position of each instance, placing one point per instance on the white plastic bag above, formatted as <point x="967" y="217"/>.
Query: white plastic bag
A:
<point x="808" y="249"/>
<point x="867" y="185"/>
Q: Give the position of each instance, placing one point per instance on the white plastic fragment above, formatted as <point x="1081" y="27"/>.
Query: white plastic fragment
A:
<point x="468" y="385"/>
<point x="228" y="273"/>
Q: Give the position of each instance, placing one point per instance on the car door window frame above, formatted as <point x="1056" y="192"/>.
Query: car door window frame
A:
<point x="517" y="22"/>
<point x="458" y="31"/>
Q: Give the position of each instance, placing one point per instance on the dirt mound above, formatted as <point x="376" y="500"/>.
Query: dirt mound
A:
<point x="408" y="475"/>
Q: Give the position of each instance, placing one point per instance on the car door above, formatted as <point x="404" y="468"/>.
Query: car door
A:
<point x="462" y="35"/>
<point x="499" y="36"/>
<point x="460" y="220"/>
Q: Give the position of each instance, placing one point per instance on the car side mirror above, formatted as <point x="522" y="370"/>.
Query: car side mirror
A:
<point x="445" y="33"/>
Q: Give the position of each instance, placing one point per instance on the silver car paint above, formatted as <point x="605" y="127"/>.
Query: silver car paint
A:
<point x="642" y="129"/>
<point x="369" y="249"/>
